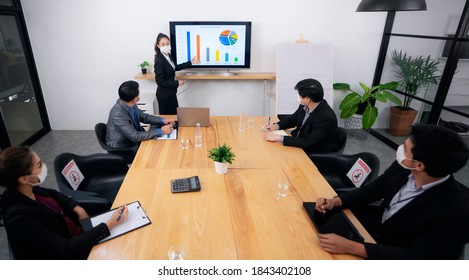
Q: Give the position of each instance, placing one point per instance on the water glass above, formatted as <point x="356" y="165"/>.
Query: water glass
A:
<point x="185" y="143"/>
<point x="250" y="123"/>
<point x="175" y="253"/>
<point x="282" y="188"/>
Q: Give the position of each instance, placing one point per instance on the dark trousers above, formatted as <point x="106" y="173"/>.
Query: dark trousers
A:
<point x="167" y="105"/>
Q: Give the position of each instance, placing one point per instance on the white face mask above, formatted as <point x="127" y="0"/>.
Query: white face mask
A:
<point x="400" y="157"/>
<point x="165" y="49"/>
<point x="42" y="175"/>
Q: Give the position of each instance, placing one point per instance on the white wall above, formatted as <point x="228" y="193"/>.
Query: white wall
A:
<point x="85" y="49"/>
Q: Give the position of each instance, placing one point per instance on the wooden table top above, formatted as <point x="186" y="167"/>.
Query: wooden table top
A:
<point x="235" y="216"/>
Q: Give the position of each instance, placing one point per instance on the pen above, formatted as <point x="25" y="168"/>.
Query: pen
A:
<point x="268" y="124"/>
<point x="325" y="202"/>
<point x="120" y="214"/>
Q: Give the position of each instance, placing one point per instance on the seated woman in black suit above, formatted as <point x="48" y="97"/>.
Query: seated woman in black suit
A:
<point x="43" y="223"/>
<point x="165" y="73"/>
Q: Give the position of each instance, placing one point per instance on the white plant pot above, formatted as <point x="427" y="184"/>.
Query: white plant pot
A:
<point x="221" y="167"/>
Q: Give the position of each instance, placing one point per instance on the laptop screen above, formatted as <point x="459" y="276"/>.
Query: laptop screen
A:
<point x="189" y="116"/>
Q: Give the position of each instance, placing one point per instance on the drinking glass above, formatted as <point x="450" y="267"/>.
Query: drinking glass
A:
<point x="250" y="123"/>
<point x="175" y="253"/>
<point x="282" y="188"/>
<point x="185" y="143"/>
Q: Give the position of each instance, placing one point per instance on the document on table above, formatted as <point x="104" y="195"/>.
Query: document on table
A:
<point x="280" y="132"/>
<point x="172" y="136"/>
<point x="135" y="219"/>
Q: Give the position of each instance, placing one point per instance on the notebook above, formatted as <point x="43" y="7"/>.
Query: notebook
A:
<point x="333" y="221"/>
<point x="189" y="116"/>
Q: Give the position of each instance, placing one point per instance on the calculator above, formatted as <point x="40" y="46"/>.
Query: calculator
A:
<point x="190" y="184"/>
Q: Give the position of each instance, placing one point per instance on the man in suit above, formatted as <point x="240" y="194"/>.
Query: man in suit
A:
<point x="424" y="213"/>
<point x="123" y="125"/>
<point x="315" y="121"/>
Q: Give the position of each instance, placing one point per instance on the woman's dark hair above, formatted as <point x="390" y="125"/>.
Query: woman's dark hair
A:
<point x="128" y="91"/>
<point x="310" y="88"/>
<point x="440" y="149"/>
<point x="14" y="163"/>
<point x="158" y="39"/>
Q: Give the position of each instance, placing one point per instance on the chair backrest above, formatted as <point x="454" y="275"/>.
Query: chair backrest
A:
<point x="341" y="140"/>
<point x="102" y="165"/>
<point x="127" y="154"/>
<point x="100" y="130"/>
<point x="334" y="168"/>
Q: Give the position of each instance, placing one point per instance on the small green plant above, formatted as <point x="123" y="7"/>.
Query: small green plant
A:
<point x="144" y="64"/>
<point x="353" y="100"/>
<point x="415" y="73"/>
<point x="222" y="154"/>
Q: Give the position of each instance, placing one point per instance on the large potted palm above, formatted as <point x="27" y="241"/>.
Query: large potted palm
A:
<point x="415" y="74"/>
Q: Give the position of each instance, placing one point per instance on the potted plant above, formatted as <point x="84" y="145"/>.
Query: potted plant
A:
<point x="222" y="157"/>
<point x="143" y="66"/>
<point x="415" y="74"/>
<point x="353" y="100"/>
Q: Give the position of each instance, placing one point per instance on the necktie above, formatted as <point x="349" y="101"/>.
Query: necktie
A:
<point x="134" y="114"/>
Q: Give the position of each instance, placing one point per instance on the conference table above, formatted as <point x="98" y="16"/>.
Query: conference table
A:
<point x="239" y="215"/>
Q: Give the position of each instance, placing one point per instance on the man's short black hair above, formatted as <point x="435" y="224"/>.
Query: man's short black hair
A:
<point x="310" y="88"/>
<point x="440" y="149"/>
<point x="128" y="91"/>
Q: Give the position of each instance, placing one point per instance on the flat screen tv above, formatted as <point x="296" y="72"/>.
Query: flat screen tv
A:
<point x="218" y="44"/>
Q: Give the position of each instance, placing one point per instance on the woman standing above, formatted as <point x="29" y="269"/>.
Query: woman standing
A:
<point x="165" y="72"/>
<point x="43" y="223"/>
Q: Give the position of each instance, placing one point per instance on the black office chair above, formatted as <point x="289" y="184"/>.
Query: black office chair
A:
<point x="126" y="153"/>
<point x="340" y="142"/>
<point x="103" y="175"/>
<point x="334" y="168"/>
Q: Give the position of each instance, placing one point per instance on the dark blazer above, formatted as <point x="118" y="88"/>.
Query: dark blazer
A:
<point x="165" y="76"/>
<point x="121" y="130"/>
<point x="434" y="225"/>
<point x="36" y="232"/>
<point x="317" y="134"/>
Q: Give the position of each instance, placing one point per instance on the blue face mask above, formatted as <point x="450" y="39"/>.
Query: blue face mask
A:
<point x="400" y="157"/>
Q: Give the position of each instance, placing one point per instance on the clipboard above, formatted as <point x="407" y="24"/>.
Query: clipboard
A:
<point x="135" y="220"/>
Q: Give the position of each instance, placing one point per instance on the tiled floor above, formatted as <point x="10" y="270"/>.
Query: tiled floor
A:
<point x="85" y="143"/>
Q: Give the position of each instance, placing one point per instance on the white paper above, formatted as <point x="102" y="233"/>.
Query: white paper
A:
<point x="358" y="173"/>
<point x="135" y="219"/>
<point x="172" y="136"/>
<point x="72" y="173"/>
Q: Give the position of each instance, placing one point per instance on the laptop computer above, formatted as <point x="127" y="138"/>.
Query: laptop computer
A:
<point x="189" y="116"/>
<point x="333" y="221"/>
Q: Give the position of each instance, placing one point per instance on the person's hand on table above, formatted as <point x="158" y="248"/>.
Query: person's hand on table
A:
<point x="169" y="121"/>
<point x="266" y="127"/>
<point x="272" y="137"/>
<point x="118" y="217"/>
<point x="325" y="204"/>
<point x="167" y="129"/>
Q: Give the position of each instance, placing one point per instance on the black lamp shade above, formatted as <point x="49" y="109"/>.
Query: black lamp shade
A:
<point x="391" y="5"/>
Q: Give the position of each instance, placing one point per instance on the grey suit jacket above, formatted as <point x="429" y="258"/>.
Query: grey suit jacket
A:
<point x="121" y="129"/>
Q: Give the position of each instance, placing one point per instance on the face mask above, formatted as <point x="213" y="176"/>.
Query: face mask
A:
<point x="165" y="49"/>
<point x="400" y="157"/>
<point x="42" y="175"/>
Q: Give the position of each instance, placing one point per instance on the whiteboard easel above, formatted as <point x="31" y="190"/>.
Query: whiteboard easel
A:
<point x="296" y="62"/>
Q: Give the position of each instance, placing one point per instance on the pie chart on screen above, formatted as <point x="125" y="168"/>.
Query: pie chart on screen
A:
<point x="228" y="37"/>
